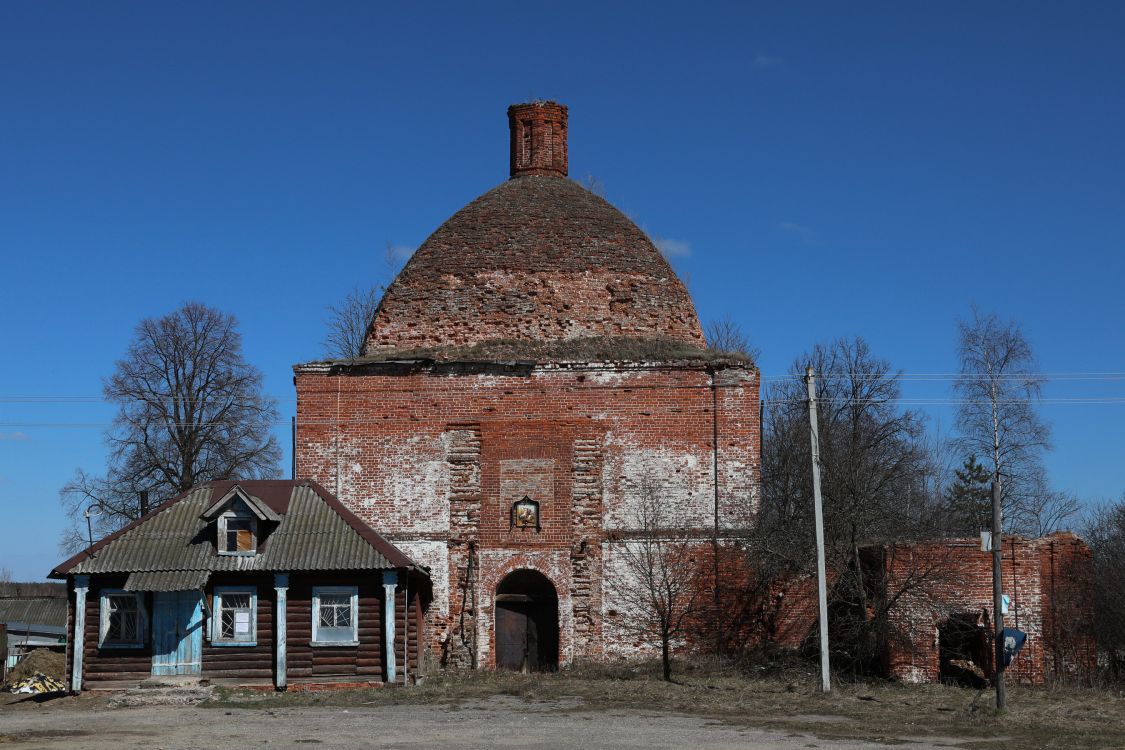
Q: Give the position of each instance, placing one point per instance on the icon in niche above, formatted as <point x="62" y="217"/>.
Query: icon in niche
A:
<point x="525" y="514"/>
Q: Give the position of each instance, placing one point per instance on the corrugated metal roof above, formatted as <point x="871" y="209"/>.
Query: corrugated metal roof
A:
<point x="32" y="590"/>
<point x="37" y="611"/>
<point x="313" y="535"/>
<point x="167" y="580"/>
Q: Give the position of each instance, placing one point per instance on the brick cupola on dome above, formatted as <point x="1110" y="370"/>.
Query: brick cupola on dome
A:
<point x="538" y="138"/>
<point x="538" y="259"/>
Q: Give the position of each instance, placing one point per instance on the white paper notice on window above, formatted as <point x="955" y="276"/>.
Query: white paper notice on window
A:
<point x="241" y="623"/>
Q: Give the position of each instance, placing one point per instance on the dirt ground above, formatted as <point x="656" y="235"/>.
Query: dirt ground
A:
<point x="588" y="709"/>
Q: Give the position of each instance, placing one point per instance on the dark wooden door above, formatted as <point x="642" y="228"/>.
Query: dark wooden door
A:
<point x="517" y="636"/>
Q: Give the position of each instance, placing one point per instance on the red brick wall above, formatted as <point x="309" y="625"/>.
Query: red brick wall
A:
<point x="538" y="138"/>
<point x="434" y="456"/>
<point x="1047" y="580"/>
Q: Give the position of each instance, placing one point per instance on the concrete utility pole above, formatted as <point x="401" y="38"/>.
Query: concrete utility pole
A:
<point x="997" y="594"/>
<point x="821" y="577"/>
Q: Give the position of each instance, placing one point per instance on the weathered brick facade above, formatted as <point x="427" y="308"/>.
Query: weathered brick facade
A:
<point x="537" y="348"/>
<point x="1047" y="581"/>
<point x="941" y="597"/>
<point x="436" y="433"/>
<point x="435" y="454"/>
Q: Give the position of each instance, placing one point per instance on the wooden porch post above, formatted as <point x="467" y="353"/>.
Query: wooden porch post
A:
<point x="390" y="584"/>
<point x="78" y="644"/>
<point x="281" y="586"/>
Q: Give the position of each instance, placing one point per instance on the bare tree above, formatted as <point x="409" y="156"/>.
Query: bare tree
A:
<point x="190" y="410"/>
<point x="660" y="558"/>
<point x="1105" y="533"/>
<point x="349" y="321"/>
<point x="996" y="417"/>
<point x="1046" y="510"/>
<point x="879" y="488"/>
<point x="5" y="575"/>
<point x="592" y="184"/>
<point x="725" y="335"/>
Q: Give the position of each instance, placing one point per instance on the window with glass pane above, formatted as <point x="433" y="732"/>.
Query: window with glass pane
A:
<point x="335" y="616"/>
<point x="123" y="622"/>
<point x="236" y="616"/>
<point x="239" y="535"/>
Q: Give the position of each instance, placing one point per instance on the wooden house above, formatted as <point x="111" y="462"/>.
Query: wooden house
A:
<point x="245" y="582"/>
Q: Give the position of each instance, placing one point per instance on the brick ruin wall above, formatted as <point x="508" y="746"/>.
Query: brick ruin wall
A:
<point x="1046" y="579"/>
<point x="434" y="458"/>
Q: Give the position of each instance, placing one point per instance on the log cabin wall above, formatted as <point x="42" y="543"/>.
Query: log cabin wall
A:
<point x="109" y="664"/>
<point x="71" y="599"/>
<point x="413" y="632"/>
<point x="257" y="663"/>
<point x="305" y="660"/>
<point x="243" y="662"/>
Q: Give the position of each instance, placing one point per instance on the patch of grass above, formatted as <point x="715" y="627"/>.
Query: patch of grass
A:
<point x="863" y="710"/>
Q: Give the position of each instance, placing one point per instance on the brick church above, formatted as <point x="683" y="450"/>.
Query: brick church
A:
<point x="533" y="365"/>
<point x="532" y="370"/>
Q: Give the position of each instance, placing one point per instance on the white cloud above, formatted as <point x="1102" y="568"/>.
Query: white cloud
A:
<point x="14" y="436"/>
<point x="762" y="60"/>
<point x="670" y="248"/>
<point x="807" y="234"/>
<point x="400" y="253"/>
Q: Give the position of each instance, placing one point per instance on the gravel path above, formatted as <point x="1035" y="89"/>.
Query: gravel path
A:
<point x="498" y="722"/>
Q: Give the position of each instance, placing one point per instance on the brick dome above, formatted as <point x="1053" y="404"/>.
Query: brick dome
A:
<point x="538" y="258"/>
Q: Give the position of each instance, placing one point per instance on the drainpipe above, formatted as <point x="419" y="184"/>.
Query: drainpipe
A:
<point x="715" y="533"/>
<point x="336" y="441"/>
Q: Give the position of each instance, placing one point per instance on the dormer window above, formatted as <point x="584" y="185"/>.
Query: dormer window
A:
<point x="241" y="522"/>
<point x="238" y="533"/>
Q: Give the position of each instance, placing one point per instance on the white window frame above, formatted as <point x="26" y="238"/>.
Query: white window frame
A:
<point x="103" y="619"/>
<point x="221" y="531"/>
<point x="352" y="591"/>
<point x="217" y="616"/>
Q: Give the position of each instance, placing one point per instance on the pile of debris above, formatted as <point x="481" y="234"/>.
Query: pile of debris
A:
<point x="37" y="684"/>
<point x="41" y="671"/>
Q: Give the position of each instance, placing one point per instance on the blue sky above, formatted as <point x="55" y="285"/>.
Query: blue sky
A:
<point x="824" y="169"/>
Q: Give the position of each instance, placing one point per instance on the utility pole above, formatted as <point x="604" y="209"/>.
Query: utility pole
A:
<point x="818" y="509"/>
<point x="997" y="595"/>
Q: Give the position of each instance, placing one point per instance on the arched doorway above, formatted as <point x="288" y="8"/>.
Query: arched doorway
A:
<point x="527" y="623"/>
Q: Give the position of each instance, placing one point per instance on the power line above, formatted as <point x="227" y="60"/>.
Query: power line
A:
<point x="1098" y="401"/>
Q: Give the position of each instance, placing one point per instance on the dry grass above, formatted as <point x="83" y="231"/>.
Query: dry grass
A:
<point x="590" y="349"/>
<point x="874" y="711"/>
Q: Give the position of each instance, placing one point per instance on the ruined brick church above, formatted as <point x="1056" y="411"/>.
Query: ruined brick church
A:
<point x="535" y="361"/>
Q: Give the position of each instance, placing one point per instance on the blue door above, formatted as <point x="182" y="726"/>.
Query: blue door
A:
<point x="177" y="632"/>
